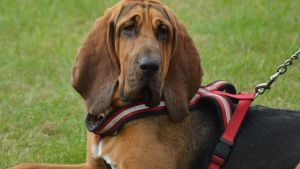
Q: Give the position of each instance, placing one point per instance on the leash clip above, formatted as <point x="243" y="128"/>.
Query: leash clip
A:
<point x="222" y="151"/>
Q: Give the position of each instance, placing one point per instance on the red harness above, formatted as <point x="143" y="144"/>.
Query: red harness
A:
<point x="227" y="139"/>
<point x="230" y="122"/>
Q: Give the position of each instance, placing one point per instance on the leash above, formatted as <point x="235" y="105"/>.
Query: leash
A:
<point x="261" y="88"/>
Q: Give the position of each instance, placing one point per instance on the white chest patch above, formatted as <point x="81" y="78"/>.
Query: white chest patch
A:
<point x="96" y="150"/>
<point x="96" y="153"/>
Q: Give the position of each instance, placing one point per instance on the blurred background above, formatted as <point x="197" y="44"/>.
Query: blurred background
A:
<point x="42" y="116"/>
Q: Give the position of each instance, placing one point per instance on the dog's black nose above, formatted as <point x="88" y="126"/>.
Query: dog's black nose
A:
<point x="149" y="66"/>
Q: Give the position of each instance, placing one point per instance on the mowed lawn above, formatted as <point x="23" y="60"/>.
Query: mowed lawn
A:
<point x="41" y="115"/>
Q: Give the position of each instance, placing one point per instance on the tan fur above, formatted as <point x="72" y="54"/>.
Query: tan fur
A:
<point x="298" y="166"/>
<point x="105" y="71"/>
<point x="135" y="149"/>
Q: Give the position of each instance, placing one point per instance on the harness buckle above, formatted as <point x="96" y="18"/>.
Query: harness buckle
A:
<point x="222" y="151"/>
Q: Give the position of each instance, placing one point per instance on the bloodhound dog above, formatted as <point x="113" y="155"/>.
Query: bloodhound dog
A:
<point x="140" y="50"/>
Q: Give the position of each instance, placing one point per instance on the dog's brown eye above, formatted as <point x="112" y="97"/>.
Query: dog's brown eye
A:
<point x="128" y="29"/>
<point x="162" y="33"/>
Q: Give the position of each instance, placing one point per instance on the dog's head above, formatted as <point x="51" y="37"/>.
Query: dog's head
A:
<point x="138" y="49"/>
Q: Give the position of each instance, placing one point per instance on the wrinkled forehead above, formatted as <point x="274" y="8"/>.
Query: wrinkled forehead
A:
<point x="148" y="10"/>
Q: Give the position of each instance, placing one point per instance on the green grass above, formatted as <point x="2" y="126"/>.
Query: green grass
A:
<point x="41" y="115"/>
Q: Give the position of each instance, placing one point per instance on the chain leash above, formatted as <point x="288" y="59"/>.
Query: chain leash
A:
<point x="261" y="88"/>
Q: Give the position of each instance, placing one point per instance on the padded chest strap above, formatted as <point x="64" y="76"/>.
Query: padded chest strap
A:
<point x="112" y="123"/>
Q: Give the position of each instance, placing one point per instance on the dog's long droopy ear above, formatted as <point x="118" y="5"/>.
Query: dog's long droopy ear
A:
<point x="95" y="72"/>
<point x="184" y="75"/>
